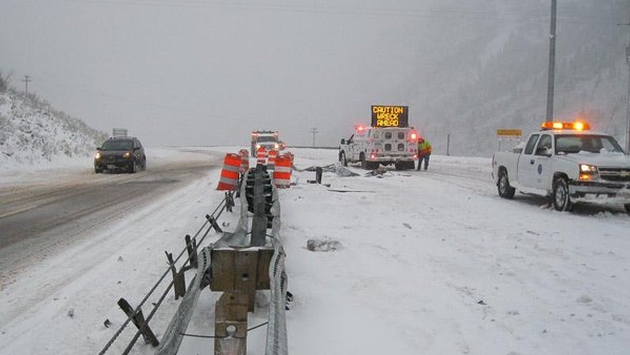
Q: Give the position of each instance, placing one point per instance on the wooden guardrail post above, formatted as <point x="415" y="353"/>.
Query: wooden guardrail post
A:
<point x="179" y="281"/>
<point x="138" y="320"/>
<point x="238" y="273"/>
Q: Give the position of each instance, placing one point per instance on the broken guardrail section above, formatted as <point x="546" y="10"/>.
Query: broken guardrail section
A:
<point x="249" y="259"/>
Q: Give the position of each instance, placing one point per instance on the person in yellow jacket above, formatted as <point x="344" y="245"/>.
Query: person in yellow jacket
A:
<point x="424" y="153"/>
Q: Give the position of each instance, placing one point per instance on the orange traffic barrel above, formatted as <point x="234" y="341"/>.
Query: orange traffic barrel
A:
<point x="271" y="162"/>
<point x="244" y="153"/>
<point x="282" y="173"/>
<point x="261" y="156"/>
<point x="230" y="172"/>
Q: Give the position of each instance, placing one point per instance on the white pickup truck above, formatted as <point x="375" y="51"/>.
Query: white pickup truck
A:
<point x="568" y="162"/>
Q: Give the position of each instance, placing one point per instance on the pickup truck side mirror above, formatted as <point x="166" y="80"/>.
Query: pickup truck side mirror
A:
<point x="343" y="141"/>
<point x="98" y="149"/>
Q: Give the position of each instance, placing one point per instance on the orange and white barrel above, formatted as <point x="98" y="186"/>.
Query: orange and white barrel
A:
<point x="230" y="172"/>
<point x="282" y="173"/>
<point x="271" y="162"/>
<point x="244" y="153"/>
<point x="261" y="156"/>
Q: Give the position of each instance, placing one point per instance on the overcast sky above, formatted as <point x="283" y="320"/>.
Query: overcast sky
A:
<point x="197" y="72"/>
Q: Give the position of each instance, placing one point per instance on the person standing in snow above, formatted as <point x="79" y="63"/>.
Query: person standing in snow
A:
<point x="424" y="153"/>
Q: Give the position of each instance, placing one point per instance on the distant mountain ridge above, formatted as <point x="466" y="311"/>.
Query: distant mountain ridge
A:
<point x="31" y="132"/>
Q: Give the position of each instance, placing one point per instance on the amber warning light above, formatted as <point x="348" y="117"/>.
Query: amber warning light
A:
<point x="577" y="125"/>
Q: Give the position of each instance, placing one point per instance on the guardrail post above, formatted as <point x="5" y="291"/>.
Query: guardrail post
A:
<point x="230" y="324"/>
<point x="191" y="246"/>
<point x="238" y="273"/>
<point x="179" y="281"/>
<point x="214" y="223"/>
<point x="229" y="201"/>
<point x="138" y="320"/>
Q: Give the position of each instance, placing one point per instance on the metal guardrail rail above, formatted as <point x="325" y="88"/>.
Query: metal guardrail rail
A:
<point x="255" y="188"/>
<point x="260" y="209"/>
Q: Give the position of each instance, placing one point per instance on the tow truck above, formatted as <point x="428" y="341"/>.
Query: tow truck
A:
<point x="267" y="139"/>
<point x="567" y="162"/>
<point x="388" y="141"/>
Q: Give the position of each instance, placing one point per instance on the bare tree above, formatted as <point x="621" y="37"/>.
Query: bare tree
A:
<point x="5" y="80"/>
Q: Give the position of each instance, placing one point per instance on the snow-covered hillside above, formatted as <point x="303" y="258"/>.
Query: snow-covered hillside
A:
<point x="32" y="134"/>
<point x="495" y="76"/>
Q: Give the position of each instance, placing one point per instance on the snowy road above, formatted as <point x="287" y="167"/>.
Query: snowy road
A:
<point x="430" y="263"/>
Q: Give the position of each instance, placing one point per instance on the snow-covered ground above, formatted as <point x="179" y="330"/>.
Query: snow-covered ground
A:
<point x="430" y="262"/>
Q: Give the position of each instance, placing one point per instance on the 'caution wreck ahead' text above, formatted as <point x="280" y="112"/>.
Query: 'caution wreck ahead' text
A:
<point x="390" y="116"/>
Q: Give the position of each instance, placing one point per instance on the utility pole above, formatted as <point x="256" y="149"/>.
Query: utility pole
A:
<point x="448" y="144"/>
<point x="628" y="102"/>
<point x="552" y="62"/>
<point x="627" y="147"/>
<point x="314" y="131"/>
<point x="26" y="80"/>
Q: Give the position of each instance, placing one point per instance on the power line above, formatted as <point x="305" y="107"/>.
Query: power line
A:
<point x="345" y="10"/>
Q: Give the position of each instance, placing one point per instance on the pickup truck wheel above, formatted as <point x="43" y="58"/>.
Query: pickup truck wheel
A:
<point x="561" y="201"/>
<point x="504" y="188"/>
<point x="342" y="159"/>
<point x="627" y="207"/>
<point x="364" y="164"/>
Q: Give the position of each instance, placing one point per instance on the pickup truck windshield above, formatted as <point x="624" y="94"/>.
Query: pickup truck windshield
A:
<point x="567" y="144"/>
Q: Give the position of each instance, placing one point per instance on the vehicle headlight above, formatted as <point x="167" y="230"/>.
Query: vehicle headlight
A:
<point x="127" y="155"/>
<point x="98" y="155"/>
<point x="588" y="172"/>
<point x="276" y="145"/>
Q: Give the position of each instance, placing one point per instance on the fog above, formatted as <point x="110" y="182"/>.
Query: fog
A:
<point x="194" y="72"/>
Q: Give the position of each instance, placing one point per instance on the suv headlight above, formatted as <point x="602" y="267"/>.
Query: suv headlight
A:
<point x="127" y="155"/>
<point x="588" y="172"/>
<point x="97" y="156"/>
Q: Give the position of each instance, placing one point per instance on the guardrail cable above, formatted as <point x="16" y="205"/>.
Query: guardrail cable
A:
<point x="218" y="210"/>
<point x="216" y="337"/>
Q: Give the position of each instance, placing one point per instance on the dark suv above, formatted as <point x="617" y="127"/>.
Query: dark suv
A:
<point x="120" y="153"/>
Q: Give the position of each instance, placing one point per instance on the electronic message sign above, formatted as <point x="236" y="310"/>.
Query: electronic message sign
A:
<point x="390" y="116"/>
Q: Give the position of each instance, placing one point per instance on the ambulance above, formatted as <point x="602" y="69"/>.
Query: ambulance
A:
<point x="388" y="141"/>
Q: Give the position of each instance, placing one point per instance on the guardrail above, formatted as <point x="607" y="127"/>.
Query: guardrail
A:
<point x="238" y="264"/>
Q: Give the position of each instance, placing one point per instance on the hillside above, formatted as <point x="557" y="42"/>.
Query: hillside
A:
<point x="32" y="133"/>
<point x="495" y="76"/>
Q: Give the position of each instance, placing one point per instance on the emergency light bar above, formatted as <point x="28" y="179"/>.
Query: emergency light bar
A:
<point x="577" y="125"/>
